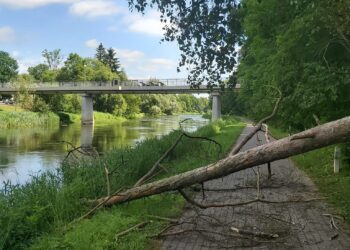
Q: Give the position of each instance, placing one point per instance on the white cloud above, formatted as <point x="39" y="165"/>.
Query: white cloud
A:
<point x="137" y="64"/>
<point x="7" y="34"/>
<point x="92" y="43"/>
<point x="162" y="62"/>
<point x="31" y="3"/>
<point x="87" y="8"/>
<point x="129" y="56"/>
<point x="148" y="24"/>
<point x="93" y="8"/>
<point x="24" y="62"/>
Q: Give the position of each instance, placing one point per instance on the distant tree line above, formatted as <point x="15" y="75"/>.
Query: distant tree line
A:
<point x="104" y="67"/>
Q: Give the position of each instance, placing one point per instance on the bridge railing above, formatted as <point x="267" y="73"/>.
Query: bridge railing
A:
<point x="126" y="83"/>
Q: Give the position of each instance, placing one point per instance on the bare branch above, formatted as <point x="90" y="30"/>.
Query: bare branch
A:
<point x="133" y="228"/>
<point x="255" y="234"/>
<point x="205" y="206"/>
<point x="257" y="127"/>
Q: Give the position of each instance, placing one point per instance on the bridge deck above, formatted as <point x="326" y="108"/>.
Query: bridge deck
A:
<point x="112" y="90"/>
<point x="103" y="88"/>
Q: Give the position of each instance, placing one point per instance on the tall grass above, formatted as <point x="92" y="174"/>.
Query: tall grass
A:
<point x="99" y="117"/>
<point x="26" y="119"/>
<point x="39" y="211"/>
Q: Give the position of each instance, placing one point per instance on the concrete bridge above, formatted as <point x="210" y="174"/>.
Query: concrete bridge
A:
<point x="88" y="89"/>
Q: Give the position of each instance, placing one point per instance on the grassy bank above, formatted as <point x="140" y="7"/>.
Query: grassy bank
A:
<point x="15" y="117"/>
<point x="99" y="117"/>
<point x="37" y="214"/>
<point x="318" y="165"/>
<point x="12" y="116"/>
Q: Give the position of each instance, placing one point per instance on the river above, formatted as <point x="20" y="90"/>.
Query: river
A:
<point x="28" y="152"/>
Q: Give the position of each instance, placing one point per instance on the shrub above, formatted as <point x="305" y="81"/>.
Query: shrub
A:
<point x="155" y="111"/>
<point x="39" y="105"/>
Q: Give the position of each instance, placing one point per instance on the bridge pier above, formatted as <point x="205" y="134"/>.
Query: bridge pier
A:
<point x="216" y="106"/>
<point x="87" y="109"/>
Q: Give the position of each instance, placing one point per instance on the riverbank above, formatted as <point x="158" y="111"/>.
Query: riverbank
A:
<point x="12" y="116"/>
<point x="318" y="165"/>
<point x="15" y="117"/>
<point x="99" y="117"/>
<point x="46" y="206"/>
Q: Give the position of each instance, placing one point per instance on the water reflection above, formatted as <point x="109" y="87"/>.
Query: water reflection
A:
<point x="26" y="152"/>
<point x="86" y="136"/>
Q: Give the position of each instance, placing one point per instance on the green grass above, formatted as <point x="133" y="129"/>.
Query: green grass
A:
<point x="99" y="117"/>
<point x="10" y="108"/>
<point x="318" y="165"/>
<point x="38" y="213"/>
<point x="106" y="117"/>
<point x="26" y="119"/>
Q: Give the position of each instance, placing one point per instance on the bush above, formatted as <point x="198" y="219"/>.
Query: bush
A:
<point x="39" y="105"/>
<point x="155" y="111"/>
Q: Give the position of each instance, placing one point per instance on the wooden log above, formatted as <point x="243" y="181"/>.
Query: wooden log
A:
<point x="322" y="136"/>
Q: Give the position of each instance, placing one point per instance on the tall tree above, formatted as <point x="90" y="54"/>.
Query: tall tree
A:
<point x="112" y="61"/>
<point x="303" y="49"/>
<point x="38" y="71"/>
<point x="73" y="69"/>
<point x="98" y="71"/>
<point x="8" y="67"/>
<point x="101" y="53"/>
<point x="53" y="58"/>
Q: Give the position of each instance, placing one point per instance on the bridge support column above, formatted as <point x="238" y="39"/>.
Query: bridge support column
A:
<point x="87" y="109"/>
<point x="216" y="108"/>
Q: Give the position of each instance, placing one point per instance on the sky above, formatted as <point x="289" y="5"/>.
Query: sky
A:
<point x="27" y="27"/>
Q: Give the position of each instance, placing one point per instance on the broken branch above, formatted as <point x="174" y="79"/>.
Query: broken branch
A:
<point x="255" y="234"/>
<point x="257" y="127"/>
<point x="243" y="203"/>
<point x="140" y="225"/>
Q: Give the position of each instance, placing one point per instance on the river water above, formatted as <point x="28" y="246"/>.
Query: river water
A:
<point x="28" y="152"/>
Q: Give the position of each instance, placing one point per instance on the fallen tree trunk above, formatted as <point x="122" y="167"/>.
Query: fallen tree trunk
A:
<point x="318" y="137"/>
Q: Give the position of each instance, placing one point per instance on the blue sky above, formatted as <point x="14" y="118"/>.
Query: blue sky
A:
<point x="27" y="27"/>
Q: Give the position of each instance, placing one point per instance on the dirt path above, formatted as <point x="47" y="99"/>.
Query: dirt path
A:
<point x="299" y="225"/>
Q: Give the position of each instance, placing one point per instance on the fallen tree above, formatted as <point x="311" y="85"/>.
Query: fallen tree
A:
<point x="318" y="137"/>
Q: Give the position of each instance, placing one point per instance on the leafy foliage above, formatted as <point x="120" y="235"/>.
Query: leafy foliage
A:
<point x="8" y="67"/>
<point x="206" y="31"/>
<point x="301" y="48"/>
<point x="38" y="71"/>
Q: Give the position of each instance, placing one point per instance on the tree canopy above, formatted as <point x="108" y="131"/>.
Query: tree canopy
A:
<point x="301" y="48"/>
<point x="53" y="58"/>
<point x="8" y="67"/>
<point x="108" y="57"/>
<point x="207" y="33"/>
<point x="38" y="71"/>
